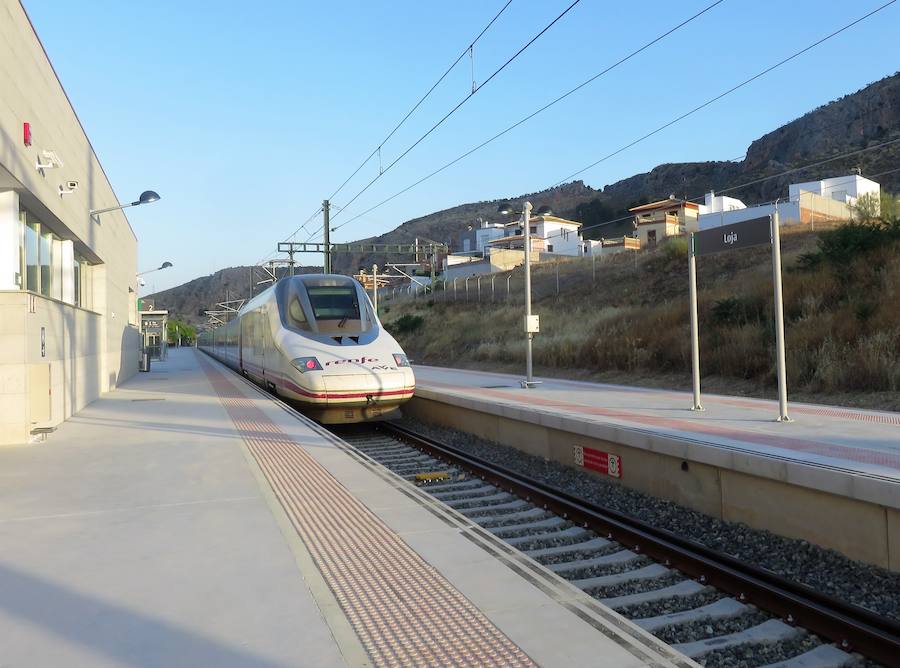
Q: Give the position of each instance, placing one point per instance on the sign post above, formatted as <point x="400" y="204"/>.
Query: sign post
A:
<point x="779" y="320"/>
<point x="753" y="232"/>
<point x="695" y="327"/>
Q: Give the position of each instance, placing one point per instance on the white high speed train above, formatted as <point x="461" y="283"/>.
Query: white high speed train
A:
<point x="315" y="339"/>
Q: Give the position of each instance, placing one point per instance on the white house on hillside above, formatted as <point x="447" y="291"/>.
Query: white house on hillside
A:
<point x="549" y="234"/>
<point x="475" y="239"/>
<point x="825" y="201"/>
<point x="846" y="189"/>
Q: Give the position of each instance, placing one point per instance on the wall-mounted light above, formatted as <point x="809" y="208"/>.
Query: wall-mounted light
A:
<point x="147" y="197"/>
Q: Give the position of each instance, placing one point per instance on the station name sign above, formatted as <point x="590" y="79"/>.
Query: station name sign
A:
<point x="753" y="232"/>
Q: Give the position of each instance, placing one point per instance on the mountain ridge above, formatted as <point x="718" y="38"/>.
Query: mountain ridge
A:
<point x="855" y="121"/>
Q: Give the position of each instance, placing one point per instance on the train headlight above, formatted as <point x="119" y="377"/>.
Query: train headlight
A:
<point x="400" y="359"/>
<point x="304" y="364"/>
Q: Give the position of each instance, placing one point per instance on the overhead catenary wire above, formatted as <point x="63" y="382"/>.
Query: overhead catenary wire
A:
<point x="731" y="90"/>
<point x="465" y="99"/>
<point x="646" y="136"/>
<point x="540" y="110"/>
<point x="305" y="223"/>
<point x="465" y="52"/>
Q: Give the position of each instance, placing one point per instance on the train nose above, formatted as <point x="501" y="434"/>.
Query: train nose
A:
<point x="369" y="387"/>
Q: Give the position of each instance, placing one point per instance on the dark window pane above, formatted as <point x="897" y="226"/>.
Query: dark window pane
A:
<point x="334" y="303"/>
<point x="31" y="257"/>
<point x="45" y="258"/>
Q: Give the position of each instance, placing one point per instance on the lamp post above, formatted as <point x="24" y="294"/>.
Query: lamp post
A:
<point x="532" y="322"/>
<point x="147" y="197"/>
<point x="164" y="265"/>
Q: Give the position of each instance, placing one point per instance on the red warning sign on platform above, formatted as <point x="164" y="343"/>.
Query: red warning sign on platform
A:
<point x="597" y="460"/>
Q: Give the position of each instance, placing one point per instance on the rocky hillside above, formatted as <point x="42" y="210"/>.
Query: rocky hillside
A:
<point x="867" y="117"/>
<point x="864" y="118"/>
<point x="445" y="226"/>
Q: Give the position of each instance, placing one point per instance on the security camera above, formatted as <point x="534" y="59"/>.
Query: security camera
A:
<point x="72" y="185"/>
<point x="66" y="190"/>
<point x="141" y="282"/>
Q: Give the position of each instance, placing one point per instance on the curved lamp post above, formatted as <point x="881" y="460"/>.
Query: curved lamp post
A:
<point x="147" y="197"/>
<point x="164" y="265"/>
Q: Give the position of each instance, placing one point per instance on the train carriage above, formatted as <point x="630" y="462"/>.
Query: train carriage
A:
<point x="315" y="340"/>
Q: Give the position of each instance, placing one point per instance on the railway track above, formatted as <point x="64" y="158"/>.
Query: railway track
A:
<point x="708" y="605"/>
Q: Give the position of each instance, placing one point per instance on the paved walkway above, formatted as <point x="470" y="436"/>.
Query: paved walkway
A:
<point x="185" y="519"/>
<point x="138" y="536"/>
<point x="862" y="441"/>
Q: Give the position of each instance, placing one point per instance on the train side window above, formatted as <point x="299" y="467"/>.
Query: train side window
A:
<point x="295" y="312"/>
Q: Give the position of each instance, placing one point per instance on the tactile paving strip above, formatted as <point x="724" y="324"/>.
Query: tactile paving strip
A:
<point x="404" y="612"/>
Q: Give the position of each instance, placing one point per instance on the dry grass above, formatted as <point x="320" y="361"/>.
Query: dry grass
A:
<point x="631" y="324"/>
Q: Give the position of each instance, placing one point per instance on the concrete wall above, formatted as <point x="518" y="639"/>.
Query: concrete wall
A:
<point x="88" y="352"/>
<point x="807" y="208"/>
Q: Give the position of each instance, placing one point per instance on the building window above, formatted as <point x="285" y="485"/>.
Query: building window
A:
<point x="45" y="255"/>
<point x="42" y="258"/>
<point x="56" y="267"/>
<point x="532" y="229"/>
<point x="549" y="248"/>
<point x="76" y="283"/>
<point x="32" y="270"/>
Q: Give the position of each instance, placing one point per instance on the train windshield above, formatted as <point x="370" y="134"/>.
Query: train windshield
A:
<point x="329" y="306"/>
<point x="334" y="302"/>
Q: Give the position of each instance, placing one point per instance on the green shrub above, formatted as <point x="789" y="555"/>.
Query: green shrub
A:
<point x="839" y="247"/>
<point x="676" y="248"/>
<point x="406" y="324"/>
<point x="738" y="310"/>
<point x="864" y="311"/>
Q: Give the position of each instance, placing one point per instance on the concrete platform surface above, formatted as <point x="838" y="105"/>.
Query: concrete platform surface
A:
<point x="185" y="519"/>
<point x="846" y="451"/>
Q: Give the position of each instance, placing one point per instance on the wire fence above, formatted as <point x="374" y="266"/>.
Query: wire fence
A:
<point x="548" y="279"/>
<point x="561" y="275"/>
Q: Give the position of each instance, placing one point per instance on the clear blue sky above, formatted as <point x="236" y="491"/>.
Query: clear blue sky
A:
<point x="245" y="115"/>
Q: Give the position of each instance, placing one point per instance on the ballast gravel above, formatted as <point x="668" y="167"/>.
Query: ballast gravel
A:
<point x="824" y="570"/>
<point x="630" y="587"/>
<point x="759" y="654"/>
<point x="669" y="605"/>
<point x="704" y="629"/>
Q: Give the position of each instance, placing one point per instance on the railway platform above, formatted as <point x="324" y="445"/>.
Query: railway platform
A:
<point x="830" y="476"/>
<point x="187" y="519"/>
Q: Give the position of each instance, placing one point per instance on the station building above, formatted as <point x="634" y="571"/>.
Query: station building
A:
<point x="69" y="327"/>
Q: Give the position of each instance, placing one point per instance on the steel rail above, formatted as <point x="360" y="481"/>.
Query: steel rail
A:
<point x="851" y="627"/>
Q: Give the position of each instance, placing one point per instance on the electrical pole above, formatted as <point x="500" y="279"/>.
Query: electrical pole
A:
<point x="433" y="261"/>
<point x="327" y="229"/>
<point x="375" y="288"/>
